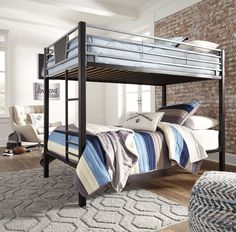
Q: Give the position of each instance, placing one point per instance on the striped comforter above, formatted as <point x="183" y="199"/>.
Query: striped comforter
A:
<point x="155" y="150"/>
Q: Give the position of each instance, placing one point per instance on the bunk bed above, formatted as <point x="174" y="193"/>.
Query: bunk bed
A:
<point x="82" y="57"/>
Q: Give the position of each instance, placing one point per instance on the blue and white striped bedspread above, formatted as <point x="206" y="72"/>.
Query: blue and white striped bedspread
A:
<point x="155" y="150"/>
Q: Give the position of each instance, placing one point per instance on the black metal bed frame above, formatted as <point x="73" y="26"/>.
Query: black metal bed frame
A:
<point x="87" y="71"/>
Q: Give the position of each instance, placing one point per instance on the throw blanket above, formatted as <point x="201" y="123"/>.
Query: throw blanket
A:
<point x="120" y="152"/>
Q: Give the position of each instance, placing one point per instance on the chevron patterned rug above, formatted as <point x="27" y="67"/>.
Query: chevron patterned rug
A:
<point x="28" y="202"/>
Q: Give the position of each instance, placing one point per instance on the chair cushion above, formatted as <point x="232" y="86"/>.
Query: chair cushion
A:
<point x="20" y="115"/>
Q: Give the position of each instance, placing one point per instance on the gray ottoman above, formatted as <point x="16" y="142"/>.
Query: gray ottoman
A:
<point x="212" y="205"/>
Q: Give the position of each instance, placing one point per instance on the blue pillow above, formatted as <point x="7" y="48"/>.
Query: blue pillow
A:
<point x="179" y="113"/>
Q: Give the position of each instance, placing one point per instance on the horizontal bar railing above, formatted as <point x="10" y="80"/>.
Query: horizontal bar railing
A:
<point x="148" y="37"/>
<point x="156" y="54"/>
<point x="159" y="62"/>
<point x="152" y="45"/>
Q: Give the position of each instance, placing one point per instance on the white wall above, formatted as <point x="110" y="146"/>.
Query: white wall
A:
<point x="25" y="42"/>
<point x="96" y="108"/>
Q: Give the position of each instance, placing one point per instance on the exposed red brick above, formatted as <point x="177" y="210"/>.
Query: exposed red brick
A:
<point x="211" y="20"/>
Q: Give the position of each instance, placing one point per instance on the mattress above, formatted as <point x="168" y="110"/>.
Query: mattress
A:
<point x="207" y="138"/>
<point x="116" y="52"/>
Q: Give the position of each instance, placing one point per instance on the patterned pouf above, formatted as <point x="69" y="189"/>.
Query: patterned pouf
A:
<point x="212" y="205"/>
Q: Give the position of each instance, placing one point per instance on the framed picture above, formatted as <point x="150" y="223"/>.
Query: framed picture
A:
<point x="54" y="91"/>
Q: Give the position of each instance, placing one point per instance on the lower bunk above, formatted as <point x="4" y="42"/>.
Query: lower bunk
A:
<point x="113" y="154"/>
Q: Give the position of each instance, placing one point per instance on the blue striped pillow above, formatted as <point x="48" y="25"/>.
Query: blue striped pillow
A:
<point x="179" y="113"/>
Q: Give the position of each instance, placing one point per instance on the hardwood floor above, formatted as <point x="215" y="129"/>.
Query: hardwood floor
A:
<point x="173" y="183"/>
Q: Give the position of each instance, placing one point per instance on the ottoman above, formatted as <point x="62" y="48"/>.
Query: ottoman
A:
<point x="212" y="205"/>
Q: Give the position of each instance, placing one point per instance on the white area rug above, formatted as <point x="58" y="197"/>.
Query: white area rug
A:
<point x="28" y="202"/>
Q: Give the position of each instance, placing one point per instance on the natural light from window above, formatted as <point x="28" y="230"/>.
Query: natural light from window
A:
<point x="3" y="51"/>
<point x="137" y="98"/>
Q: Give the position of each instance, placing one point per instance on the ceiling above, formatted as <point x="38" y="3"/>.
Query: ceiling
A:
<point x="66" y="13"/>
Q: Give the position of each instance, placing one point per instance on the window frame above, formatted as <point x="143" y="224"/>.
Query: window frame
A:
<point x="4" y="47"/>
<point x="139" y="93"/>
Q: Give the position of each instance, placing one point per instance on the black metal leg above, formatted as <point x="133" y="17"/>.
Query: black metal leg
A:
<point x="46" y="116"/>
<point x="164" y="92"/>
<point x="46" y="166"/>
<point x="82" y="200"/>
<point x="222" y="116"/>
<point x="82" y="94"/>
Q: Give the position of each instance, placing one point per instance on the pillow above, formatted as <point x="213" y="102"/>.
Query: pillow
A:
<point x="209" y="46"/>
<point x="179" y="113"/>
<point x="37" y="119"/>
<point x="20" y="115"/>
<point x="144" y="121"/>
<point x="197" y="122"/>
<point x="170" y="44"/>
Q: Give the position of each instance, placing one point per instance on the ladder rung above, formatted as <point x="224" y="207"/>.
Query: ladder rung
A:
<point x="70" y="153"/>
<point x="72" y="99"/>
<point x="69" y="142"/>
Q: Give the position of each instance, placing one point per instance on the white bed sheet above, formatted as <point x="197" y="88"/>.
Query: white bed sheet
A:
<point x="207" y="138"/>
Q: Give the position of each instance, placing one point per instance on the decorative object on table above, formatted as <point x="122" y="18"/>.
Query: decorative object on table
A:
<point x="54" y="91"/>
<point x="32" y="203"/>
<point x="212" y="205"/>
<point x="14" y="140"/>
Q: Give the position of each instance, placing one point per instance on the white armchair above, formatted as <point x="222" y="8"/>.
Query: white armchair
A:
<point x="21" y="122"/>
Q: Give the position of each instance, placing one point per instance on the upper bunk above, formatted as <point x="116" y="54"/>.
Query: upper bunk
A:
<point x="121" y="57"/>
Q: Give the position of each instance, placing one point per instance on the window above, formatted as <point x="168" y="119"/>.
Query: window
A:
<point x="139" y="98"/>
<point x="3" y="73"/>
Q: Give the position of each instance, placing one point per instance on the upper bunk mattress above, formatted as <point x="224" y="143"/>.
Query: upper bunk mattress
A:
<point x="117" y="52"/>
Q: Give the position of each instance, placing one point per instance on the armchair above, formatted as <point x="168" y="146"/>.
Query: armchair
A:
<point x="21" y="122"/>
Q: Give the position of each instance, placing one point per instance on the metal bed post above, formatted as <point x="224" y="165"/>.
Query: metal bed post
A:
<point x="66" y="114"/>
<point x="46" y="116"/>
<point x="222" y="114"/>
<point x="164" y="93"/>
<point x="82" y="94"/>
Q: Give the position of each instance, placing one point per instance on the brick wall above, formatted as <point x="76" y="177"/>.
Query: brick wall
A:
<point x="212" y="20"/>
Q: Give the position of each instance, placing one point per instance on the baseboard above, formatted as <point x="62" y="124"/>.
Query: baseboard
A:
<point x="229" y="158"/>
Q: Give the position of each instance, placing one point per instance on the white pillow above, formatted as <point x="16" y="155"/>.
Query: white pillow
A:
<point x="197" y="122"/>
<point x="209" y="46"/>
<point x="37" y="119"/>
<point x="144" y="121"/>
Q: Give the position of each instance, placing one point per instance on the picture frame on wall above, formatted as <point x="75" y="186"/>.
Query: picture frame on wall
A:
<point x="54" y="91"/>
